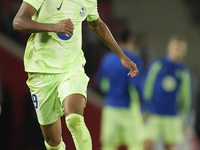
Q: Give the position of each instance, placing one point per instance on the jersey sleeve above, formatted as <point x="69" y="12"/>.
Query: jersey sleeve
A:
<point x="150" y="79"/>
<point x="93" y="15"/>
<point x="134" y="85"/>
<point x="102" y="81"/>
<point x="186" y="93"/>
<point x="35" y="3"/>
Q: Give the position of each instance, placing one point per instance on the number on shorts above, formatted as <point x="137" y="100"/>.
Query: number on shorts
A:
<point x="34" y="97"/>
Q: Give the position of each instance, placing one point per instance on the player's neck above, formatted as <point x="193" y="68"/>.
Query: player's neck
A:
<point x="126" y="48"/>
<point x="173" y="60"/>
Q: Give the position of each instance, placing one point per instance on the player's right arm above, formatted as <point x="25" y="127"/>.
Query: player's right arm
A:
<point x="186" y="93"/>
<point x="23" y="22"/>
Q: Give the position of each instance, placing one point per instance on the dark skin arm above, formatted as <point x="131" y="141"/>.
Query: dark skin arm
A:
<point x="23" y="22"/>
<point x="104" y="34"/>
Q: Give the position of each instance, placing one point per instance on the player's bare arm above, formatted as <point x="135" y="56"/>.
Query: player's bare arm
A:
<point x="102" y="31"/>
<point x="23" y="22"/>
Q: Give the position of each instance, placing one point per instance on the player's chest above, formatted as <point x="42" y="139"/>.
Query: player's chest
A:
<point x="74" y="9"/>
<point x="169" y="79"/>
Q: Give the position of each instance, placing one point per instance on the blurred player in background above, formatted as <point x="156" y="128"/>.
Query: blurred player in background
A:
<point x="121" y="118"/>
<point x="168" y="94"/>
<point x="55" y="63"/>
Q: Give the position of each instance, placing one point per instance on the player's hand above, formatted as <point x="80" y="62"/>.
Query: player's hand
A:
<point x="127" y="63"/>
<point x="64" y="27"/>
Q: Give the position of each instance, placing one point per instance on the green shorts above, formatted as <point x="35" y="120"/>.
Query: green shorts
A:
<point x="121" y="126"/>
<point x="49" y="90"/>
<point x="169" y="128"/>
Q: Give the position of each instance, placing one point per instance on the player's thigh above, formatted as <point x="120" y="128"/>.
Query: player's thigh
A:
<point x="72" y="91"/>
<point x="151" y="129"/>
<point x="170" y="147"/>
<point x="110" y="131"/>
<point x="132" y="129"/>
<point x="43" y="88"/>
<point x="52" y="133"/>
<point x="148" y="145"/>
<point x="172" y="130"/>
<point x="135" y="146"/>
<point x="74" y="103"/>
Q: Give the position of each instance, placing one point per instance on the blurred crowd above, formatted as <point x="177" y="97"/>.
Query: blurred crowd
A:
<point x="160" y="101"/>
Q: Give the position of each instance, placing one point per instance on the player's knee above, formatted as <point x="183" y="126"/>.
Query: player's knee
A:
<point x="52" y="141"/>
<point x="74" y="104"/>
<point x="74" y="111"/>
<point x="74" y="121"/>
<point x="170" y="147"/>
<point x="148" y="145"/>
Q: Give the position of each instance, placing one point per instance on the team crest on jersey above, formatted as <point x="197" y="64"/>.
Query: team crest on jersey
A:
<point x="169" y="83"/>
<point x="82" y="11"/>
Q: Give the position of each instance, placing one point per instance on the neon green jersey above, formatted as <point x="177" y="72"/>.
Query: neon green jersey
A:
<point x="49" y="52"/>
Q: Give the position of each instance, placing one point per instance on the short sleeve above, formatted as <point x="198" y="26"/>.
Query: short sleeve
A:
<point x="35" y="3"/>
<point x="93" y="15"/>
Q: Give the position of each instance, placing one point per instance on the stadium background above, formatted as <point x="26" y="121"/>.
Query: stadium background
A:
<point x="154" y="21"/>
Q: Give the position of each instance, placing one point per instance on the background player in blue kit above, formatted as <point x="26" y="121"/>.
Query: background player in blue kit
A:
<point x="121" y="118"/>
<point x="168" y="94"/>
<point x="55" y="63"/>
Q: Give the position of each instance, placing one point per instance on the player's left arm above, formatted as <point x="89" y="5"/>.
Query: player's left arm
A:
<point x="104" y="34"/>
